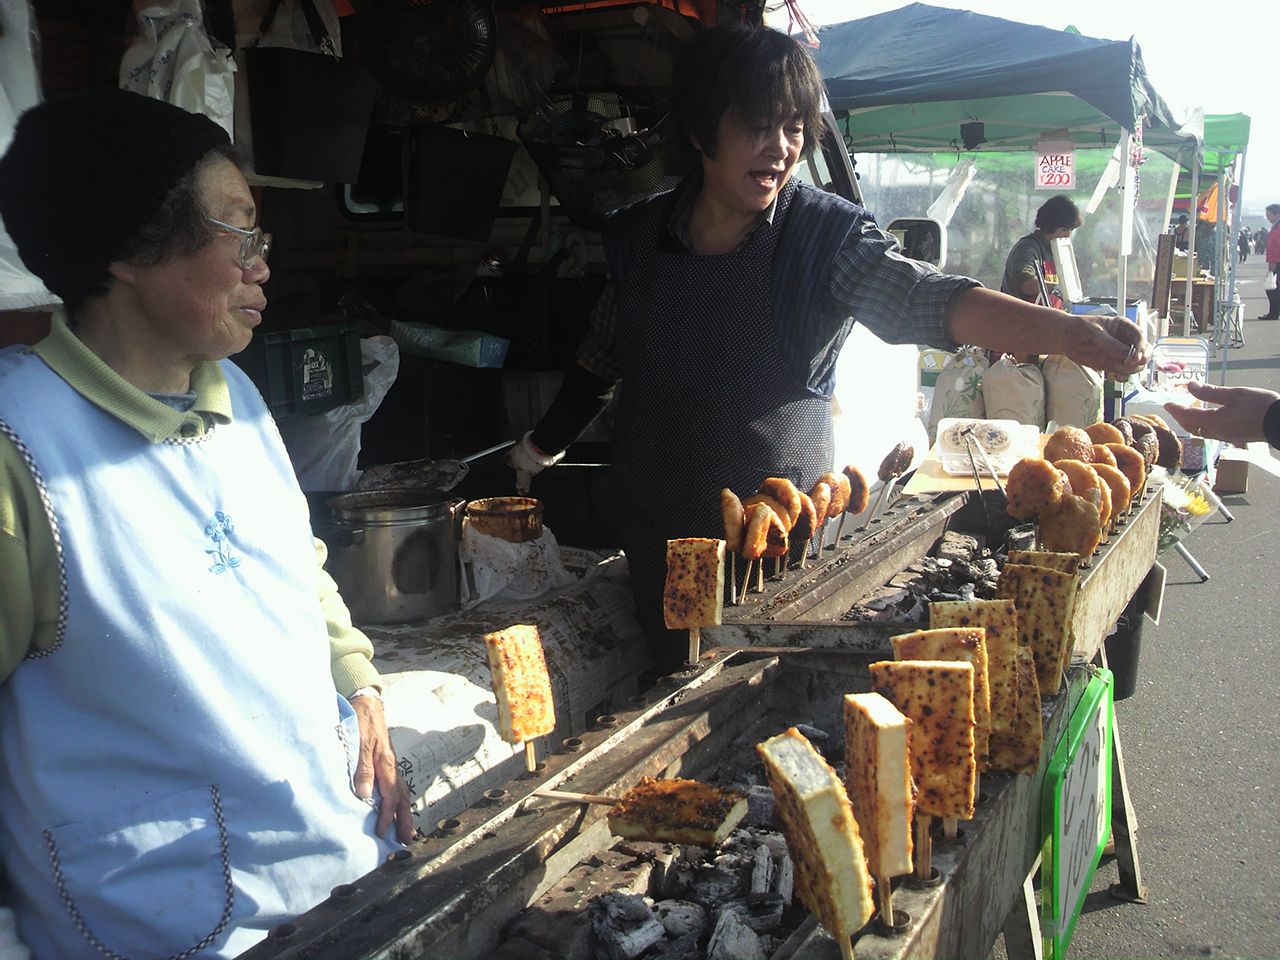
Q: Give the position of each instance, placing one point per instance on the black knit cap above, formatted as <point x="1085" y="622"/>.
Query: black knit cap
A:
<point x="86" y="172"/>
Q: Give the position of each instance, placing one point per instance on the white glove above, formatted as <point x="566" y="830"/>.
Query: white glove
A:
<point x="528" y="461"/>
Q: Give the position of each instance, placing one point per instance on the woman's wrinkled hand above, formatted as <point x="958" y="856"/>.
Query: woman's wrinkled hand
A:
<point x="1111" y="344"/>
<point x="377" y="764"/>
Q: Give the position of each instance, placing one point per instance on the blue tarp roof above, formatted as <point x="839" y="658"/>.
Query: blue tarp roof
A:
<point x="908" y="79"/>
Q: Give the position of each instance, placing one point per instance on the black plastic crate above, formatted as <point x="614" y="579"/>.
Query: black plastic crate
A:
<point x="306" y="370"/>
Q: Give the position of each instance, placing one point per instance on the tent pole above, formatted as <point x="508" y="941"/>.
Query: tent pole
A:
<point x="1231" y="294"/>
<point x="1126" y="222"/>
<point x="1224" y="263"/>
<point x="1191" y="240"/>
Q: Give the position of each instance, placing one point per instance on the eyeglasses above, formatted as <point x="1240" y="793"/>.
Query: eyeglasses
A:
<point x="254" y="244"/>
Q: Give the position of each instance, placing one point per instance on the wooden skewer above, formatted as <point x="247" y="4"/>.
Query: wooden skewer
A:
<point x="840" y="529"/>
<point x="695" y="645"/>
<point x="885" y="490"/>
<point x="884" y="893"/>
<point x="950" y="828"/>
<point x="924" y="848"/>
<point x="574" y="797"/>
<point x="822" y="535"/>
<point x="746" y="579"/>
<point x="846" y="948"/>
<point x="733" y="577"/>
<point x="760" y="575"/>
<point x="530" y="756"/>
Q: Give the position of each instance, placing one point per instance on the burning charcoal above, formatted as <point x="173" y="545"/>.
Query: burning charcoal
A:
<point x="734" y="940"/>
<point x="957" y="546"/>
<point x="816" y="736"/>
<point x="761" y="870"/>
<point x="677" y="881"/>
<point x="681" y="918"/>
<point x="624" y="925"/>
<point x="905" y="580"/>
<point x="966" y="591"/>
<point x="776" y="842"/>
<point x="713" y="886"/>
<point x="681" y="948"/>
<point x="885" y="597"/>
<point x="989" y="567"/>
<point x="784" y="878"/>
<point x="759" y="806"/>
<point x="761" y="912"/>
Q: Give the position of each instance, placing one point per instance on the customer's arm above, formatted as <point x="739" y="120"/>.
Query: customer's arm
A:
<point x="1245" y="413"/>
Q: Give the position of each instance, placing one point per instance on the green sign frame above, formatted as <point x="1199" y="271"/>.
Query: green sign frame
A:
<point x="1076" y="812"/>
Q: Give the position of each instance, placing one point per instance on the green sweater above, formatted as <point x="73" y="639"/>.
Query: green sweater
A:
<point x="29" y="594"/>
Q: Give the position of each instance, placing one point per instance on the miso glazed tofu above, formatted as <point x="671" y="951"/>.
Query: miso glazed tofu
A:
<point x="694" y="592"/>
<point x="677" y="811"/>
<point x="938" y="697"/>
<point x="1018" y="749"/>
<point x="967" y="644"/>
<point x="521" y="683"/>
<point x="822" y="834"/>
<point x="1046" y="601"/>
<point x="999" y="618"/>
<point x="878" y="779"/>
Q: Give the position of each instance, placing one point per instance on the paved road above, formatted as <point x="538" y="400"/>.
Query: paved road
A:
<point x="1201" y="734"/>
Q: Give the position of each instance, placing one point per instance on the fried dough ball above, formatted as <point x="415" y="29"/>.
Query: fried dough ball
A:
<point x="1126" y="430"/>
<point x="1102" y="455"/>
<point x="1104" y="433"/>
<point x="776" y="540"/>
<point x="735" y="519"/>
<point x="772" y="504"/>
<point x="1145" y="441"/>
<point x="1034" y="485"/>
<point x="840" y="491"/>
<point x="1069" y="443"/>
<point x="1169" y="453"/>
<point x="1132" y="465"/>
<point x="1080" y="474"/>
<point x="807" y="523"/>
<point x="1121" y="490"/>
<point x="859" y="493"/>
<point x="821" y="497"/>
<point x="756" y="536"/>
<point x="1101" y="495"/>
<point x="1152" y="418"/>
<point x="785" y="492"/>
<point x="1071" y="526"/>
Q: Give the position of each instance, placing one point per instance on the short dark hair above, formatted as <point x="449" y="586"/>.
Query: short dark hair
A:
<point x="179" y="226"/>
<point x="752" y="72"/>
<point x="1056" y="213"/>
<point x="1273" y="208"/>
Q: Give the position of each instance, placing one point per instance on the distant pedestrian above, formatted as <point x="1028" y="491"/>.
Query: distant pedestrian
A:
<point x="1181" y="232"/>
<point x="1273" y="263"/>
<point x="1260" y="241"/>
<point x="1242" y="244"/>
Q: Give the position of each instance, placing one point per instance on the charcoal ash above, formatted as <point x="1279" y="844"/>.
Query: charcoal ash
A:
<point x="960" y="568"/>
<point x="733" y="939"/>
<point x="624" y="926"/>
<point x="681" y="918"/>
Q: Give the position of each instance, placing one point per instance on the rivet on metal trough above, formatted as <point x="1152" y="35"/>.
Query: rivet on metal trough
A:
<point x="571" y="744"/>
<point x="344" y="891"/>
<point x="606" y="720"/>
<point x="495" y="796"/>
<point x="398" y="856"/>
<point x="935" y="878"/>
<point x="283" y="932"/>
<point x="448" y="827"/>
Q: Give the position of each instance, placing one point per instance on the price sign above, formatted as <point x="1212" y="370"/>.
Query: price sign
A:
<point x="1056" y="166"/>
<point x="1077" y="810"/>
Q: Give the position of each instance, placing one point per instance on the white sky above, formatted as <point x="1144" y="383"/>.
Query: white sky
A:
<point x="1192" y="60"/>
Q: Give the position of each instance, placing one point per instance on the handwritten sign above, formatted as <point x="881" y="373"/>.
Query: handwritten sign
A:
<point x="1056" y="166"/>
<point x="1077" y="810"/>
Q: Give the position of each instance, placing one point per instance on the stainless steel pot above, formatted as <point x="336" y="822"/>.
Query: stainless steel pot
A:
<point x="394" y="553"/>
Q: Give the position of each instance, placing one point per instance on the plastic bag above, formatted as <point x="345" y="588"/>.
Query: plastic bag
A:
<point x="324" y="448"/>
<point x="958" y="390"/>
<point x="1186" y="503"/>
<point x="173" y="60"/>
<point x="468" y="348"/>
<point x="499" y="570"/>
<point x="1072" y="393"/>
<point x="1014" y="391"/>
<point x="1270" y="282"/>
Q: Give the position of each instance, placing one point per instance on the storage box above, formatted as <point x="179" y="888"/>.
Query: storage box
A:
<point x="1133" y="308"/>
<point x="306" y="371"/>
<point x="1232" y="474"/>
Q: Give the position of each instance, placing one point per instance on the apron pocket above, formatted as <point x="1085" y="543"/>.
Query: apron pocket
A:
<point x="153" y="880"/>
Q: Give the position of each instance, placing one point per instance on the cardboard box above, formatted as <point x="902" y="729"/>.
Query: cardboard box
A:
<point x="1233" y="473"/>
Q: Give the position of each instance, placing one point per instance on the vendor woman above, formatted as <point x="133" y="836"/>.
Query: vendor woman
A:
<point x="730" y="299"/>
<point x="192" y="746"/>
<point x="1031" y="258"/>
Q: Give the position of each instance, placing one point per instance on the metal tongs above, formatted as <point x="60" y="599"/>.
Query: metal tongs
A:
<point x="970" y="441"/>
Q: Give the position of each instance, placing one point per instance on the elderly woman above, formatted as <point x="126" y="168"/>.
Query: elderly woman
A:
<point x="730" y="299"/>
<point x="192" y="746"/>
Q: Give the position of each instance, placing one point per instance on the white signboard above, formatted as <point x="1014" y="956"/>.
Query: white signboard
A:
<point x="1085" y="812"/>
<point x="1056" y="166"/>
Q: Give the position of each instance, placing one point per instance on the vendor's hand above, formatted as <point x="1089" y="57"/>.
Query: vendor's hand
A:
<point x="1111" y="344"/>
<point x="528" y="461"/>
<point x="1238" y="419"/>
<point x="377" y="763"/>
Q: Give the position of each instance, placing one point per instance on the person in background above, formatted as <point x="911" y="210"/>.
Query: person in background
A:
<point x="1242" y="244"/>
<point x="1260" y="241"/>
<point x="1244" y="414"/>
<point x="1273" y="263"/>
<point x="728" y="303"/>
<point x="1057" y="218"/>
<point x="192" y="743"/>
<point x="1182" y="233"/>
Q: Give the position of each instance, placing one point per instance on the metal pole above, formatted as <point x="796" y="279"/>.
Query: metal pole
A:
<point x="1223" y="263"/>
<point x="1231" y="294"/>
<point x="1191" y="240"/>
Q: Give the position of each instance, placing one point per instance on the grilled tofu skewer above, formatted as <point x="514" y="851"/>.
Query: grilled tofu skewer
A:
<point x="693" y="596"/>
<point x="667" y="811"/>
<point x="518" y="669"/>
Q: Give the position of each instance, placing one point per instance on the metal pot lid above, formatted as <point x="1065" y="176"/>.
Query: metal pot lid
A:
<point x="392" y="505"/>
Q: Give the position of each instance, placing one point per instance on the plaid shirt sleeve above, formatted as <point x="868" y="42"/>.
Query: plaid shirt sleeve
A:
<point x="598" y="351"/>
<point x="899" y="300"/>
